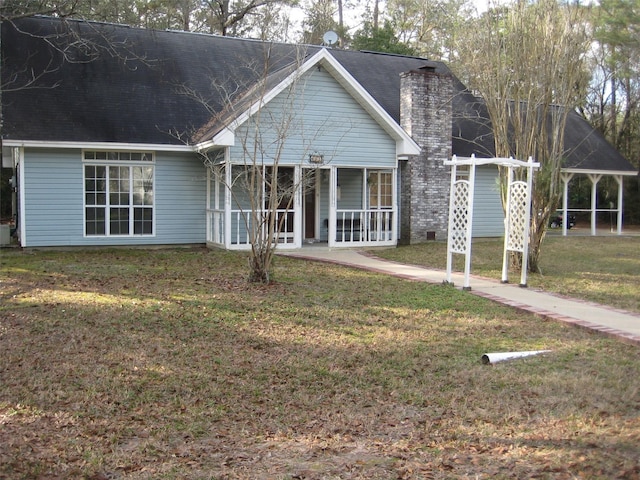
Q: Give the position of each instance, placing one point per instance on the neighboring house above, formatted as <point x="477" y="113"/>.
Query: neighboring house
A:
<point x="124" y="136"/>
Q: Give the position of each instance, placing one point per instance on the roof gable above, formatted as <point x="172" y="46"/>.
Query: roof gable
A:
<point x="220" y="131"/>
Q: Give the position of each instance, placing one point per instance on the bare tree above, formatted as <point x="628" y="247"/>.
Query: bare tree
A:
<point x="527" y="60"/>
<point x="319" y="19"/>
<point x="429" y="26"/>
<point x="273" y="139"/>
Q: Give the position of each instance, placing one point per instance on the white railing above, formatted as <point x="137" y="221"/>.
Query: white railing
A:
<point x="364" y="226"/>
<point x="240" y="226"/>
<point x="353" y="227"/>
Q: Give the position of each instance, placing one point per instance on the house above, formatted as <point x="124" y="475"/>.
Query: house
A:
<point x="125" y="136"/>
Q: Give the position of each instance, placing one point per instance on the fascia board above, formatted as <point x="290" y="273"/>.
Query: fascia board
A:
<point x="97" y="145"/>
<point x="584" y="171"/>
<point x="225" y="138"/>
<point x="405" y="145"/>
<point x="275" y="91"/>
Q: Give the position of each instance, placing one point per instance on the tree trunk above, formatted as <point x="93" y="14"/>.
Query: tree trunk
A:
<point x="376" y="14"/>
<point x="259" y="265"/>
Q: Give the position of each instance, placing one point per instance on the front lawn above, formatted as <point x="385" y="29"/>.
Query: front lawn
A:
<point x="167" y="364"/>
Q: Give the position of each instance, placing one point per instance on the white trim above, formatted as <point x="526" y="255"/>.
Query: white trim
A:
<point x="225" y="138"/>
<point x="131" y="164"/>
<point x="134" y="147"/>
<point x="583" y="171"/>
<point x="501" y="161"/>
<point x="22" y="208"/>
<point x="405" y="145"/>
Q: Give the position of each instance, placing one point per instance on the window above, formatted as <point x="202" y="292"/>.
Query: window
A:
<point x="118" y="193"/>
<point x="380" y="190"/>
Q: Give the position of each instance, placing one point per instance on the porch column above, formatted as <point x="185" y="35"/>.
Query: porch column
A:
<point x="566" y="178"/>
<point x="333" y="205"/>
<point x="208" y="223"/>
<point x="227" y="205"/>
<point x="298" y="230"/>
<point x="620" y="181"/>
<point x="594" y="200"/>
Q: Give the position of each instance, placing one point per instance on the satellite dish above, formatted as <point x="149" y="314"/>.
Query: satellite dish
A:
<point x="330" y="38"/>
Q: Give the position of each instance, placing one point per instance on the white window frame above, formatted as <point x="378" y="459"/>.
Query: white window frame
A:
<point x="379" y="194"/>
<point x="106" y="159"/>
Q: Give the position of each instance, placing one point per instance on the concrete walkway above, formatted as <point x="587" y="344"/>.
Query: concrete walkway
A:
<point x="617" y="323"/>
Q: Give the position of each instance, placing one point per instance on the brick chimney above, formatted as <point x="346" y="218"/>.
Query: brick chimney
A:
<point x="425" y="114"/>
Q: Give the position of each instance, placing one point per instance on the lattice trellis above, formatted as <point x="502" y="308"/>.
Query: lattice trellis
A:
<point x="518" y="218"/>
<point x="518" y="213"/>
<point x="459" y="217"/>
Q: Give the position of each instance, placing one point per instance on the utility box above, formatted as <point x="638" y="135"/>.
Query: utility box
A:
<point x="5" y="235"/>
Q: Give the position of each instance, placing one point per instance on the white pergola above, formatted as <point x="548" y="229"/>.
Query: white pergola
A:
<point x="517" y="213"/>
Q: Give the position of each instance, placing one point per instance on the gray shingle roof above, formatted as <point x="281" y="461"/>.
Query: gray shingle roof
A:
<point x="98" y="82"/>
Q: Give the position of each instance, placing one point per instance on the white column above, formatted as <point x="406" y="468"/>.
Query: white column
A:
<point x="298" y="231"/>
<point x="333" y="205"/>
<point x="18" y="160"/>
<point x="209" y="229"/>
<point x="620" y="180"/>
<point x="594" y="200"/>
<point x="507" y="228"/>
<point x="566" y="178"/>
<point x="227" y="204"/>
<point x="472" y="188"/>
<point x="527" y="225"/>
<point x="452" y="192"/>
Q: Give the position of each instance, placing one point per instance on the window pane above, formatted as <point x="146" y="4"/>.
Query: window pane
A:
<point x="143" y="186"/>
<point x="119" y="221"/>
<point x="101" y="179"/>
<point x="143" y="221"/>
<point x="94" y="223"/>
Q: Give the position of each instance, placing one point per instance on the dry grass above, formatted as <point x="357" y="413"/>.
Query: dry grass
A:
<point x="599" y="269"/>
<point x="166" y="364"/>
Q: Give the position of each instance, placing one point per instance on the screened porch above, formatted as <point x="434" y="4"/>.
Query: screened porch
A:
<point x="339" y="207"/>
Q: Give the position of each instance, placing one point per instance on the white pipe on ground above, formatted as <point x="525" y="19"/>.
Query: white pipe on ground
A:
<point x="496" y="357"/>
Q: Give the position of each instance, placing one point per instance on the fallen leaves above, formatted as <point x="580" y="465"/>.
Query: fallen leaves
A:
<point x="168" y="364"/>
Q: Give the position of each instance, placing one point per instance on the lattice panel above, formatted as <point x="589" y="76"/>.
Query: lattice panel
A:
<point x="519" y="202"/>
<point x="459" y="218"/>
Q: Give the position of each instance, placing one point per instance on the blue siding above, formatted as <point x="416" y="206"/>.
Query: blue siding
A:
<point x="324" y="119"/>
<point x="54" y="214"/>
<point x="350" y="181"/>
<point x="181" y="192"/>
<point x="488" y="216"/>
